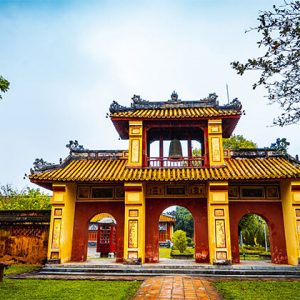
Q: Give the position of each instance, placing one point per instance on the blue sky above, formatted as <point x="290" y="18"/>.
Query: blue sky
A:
<point x="68" y="60"/>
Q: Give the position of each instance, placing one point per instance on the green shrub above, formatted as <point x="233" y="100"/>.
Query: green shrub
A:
<point x="179" y="240"/>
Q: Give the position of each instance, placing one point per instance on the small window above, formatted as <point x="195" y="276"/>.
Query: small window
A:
<point x="175" y="190"/>
<point x="102" y="192"/>
<point x="252" y="192"/>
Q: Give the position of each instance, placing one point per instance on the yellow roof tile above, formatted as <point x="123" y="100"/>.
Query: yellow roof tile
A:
<point x="95" y="170"/>
<point x="175" y="113"/>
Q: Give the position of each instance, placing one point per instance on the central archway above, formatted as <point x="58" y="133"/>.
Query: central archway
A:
<point x="171" y="221"/>
<point x="197" y="207"/>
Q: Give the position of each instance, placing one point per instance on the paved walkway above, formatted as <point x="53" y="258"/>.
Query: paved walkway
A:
<point x="176" y="287"/>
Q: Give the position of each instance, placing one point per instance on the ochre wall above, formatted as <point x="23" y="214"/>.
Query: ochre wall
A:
<point x="272" y="213"/>
<point x="84" y="212"/>
<point x="24" y="244"/>
<point x="197" y="207"/>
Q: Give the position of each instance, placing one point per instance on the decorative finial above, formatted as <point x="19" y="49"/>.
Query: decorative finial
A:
<point x="74" y="146"/>
<point x="174" y="96"/>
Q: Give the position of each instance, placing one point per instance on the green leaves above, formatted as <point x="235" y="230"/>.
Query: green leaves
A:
<point x="179" y="240"/>
<point x="238" y="142"/>
<point x="28" y="198"/>
<point x="4" y="85"/>
<point x="279" y="29"/>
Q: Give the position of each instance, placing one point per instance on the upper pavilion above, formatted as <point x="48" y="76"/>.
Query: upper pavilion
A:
<point x="177" y="127"/>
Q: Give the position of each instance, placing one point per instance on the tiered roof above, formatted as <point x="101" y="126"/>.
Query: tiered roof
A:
<point x="175" y="110"/>
<point x="96" y="166"/>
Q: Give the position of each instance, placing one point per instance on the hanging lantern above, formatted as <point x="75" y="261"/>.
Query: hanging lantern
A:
<point x="175" y="150"/>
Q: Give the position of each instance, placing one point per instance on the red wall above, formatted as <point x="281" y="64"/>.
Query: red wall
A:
<point x="272" y="213"/>
<point x="197" y="207"/>
<point x="84" y="212"/>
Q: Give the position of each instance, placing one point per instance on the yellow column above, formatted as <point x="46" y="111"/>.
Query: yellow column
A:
<point x="215" y="145"/>
<point x="290" y="195"/>
<point x="135" y="156"/>
<point x="134" y="228"/>
<point x="62" y="221"/>
<point x="218" y="223"/>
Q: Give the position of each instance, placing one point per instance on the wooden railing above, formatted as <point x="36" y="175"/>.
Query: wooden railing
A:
<point x="182" y="162"/>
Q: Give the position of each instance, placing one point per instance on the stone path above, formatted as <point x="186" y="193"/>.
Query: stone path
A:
<point x="176" y="287"/>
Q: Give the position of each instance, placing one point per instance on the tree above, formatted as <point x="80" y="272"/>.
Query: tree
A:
<point x="280" y="65"/>
<point x="238" y="142"/>
<point x="184" y="221"/>
<point x="28" y="198"/>
<point x="4" y="85"/>
<point x="179" y="240"/>
<point x="252" y="228"/>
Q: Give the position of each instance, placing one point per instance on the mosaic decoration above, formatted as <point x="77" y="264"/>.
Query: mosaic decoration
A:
<point x="132" y="233"/>
<point x="220" y="234"/>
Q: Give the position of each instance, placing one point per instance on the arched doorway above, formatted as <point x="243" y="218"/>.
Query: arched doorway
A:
<point x="84" y="213"/>
<point x="198" y="209"/>
<point x="176" y="231"/>
<point x="102" y="234"/>
<point x="254" y="242"/>
<point x="272" y="214"/>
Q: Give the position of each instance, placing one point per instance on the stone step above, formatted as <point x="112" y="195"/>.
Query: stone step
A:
<point x="140" y="271"/>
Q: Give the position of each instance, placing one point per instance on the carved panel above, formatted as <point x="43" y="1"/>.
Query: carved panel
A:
<point x="220" y="234"/>
<point x="135" y="150"/>
<point x="221" y="255"/>
<point x="272" y="192"/>
<point x="196" y="190"/>
<point x="83" y="192"/>
<point x="132" y="233"/>
<point x="298" y="230"/>
<point x="133" y="213"/>
<point x="135" y="130"/>
<point x="155" y="190"/>
<point x="219" y="212"/>
<point x="298" y="213"/>
<point x="216" y="151"/>
<point x="56" y="234"/>
<point x="58" y="212"/>
<point x="233" y="192"/>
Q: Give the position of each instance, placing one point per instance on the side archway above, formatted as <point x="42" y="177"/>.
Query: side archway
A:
<point x="84" y="212"/>
<point x="272" y="213"/>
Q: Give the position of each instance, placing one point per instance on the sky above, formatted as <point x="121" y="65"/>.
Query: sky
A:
<point x="68" y="60"/>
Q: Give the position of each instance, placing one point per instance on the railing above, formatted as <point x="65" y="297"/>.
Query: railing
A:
<point x="181" y="162"/>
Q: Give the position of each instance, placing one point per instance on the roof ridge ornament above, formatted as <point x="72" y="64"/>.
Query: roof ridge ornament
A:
<point x="74" y="146"/>
<point x="174" y="97"/>
<point x="39" y="165"/>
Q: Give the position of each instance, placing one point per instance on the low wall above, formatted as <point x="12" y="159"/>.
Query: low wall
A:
<point x="24" y="235"/>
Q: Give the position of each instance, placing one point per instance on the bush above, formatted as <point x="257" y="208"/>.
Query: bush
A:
<point x="179" y="240"/>
<point x="190" y="242"/>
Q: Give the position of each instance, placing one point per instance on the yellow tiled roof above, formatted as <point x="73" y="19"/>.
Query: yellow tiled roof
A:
<point x="173" y="113"/>
<point x="164" y="218"/>
<point x="89" y="170"/>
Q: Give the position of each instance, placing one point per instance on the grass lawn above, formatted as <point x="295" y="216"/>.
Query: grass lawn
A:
<point x="164" y="252"/>
<point x="15" y="289"/>
<point x="249" y="290"/>
<point x="18" y="269"/>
